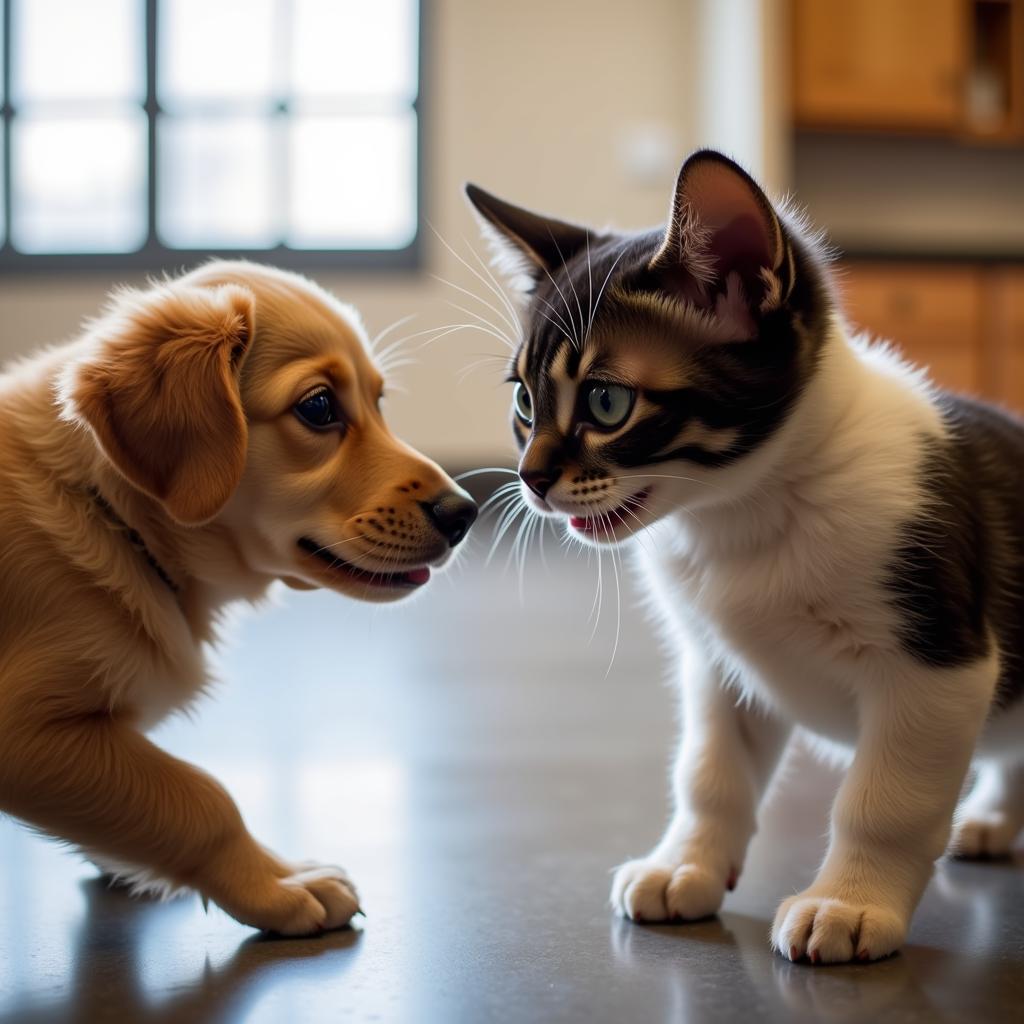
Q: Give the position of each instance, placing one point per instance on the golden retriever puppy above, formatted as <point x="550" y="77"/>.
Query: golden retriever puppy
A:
<point x="200" y="440"/>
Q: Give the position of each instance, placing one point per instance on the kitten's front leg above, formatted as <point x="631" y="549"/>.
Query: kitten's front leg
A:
<point x="892" y="816"/>
<point x="726" y="756"/>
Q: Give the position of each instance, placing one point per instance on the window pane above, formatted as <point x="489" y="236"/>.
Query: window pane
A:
<point x="78" y="185"/>
<point x="73" y="49"/>
<point x="216" y="182"/>
<point x="354" y="47"/>
<point x="3" y="211"/>
<point x="218" y="49"/>
<point x="352" y="182"/>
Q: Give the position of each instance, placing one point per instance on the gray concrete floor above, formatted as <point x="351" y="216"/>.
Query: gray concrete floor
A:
<point x="477" y="768"/>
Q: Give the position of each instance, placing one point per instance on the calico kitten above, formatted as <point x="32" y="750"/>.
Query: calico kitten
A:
<point x="832" y="542"/>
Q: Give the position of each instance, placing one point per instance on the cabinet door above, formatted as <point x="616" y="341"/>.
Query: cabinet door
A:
<point x="1004" y="339"/>
<point x="880" y="63"/>
<point x="933" y="314"/>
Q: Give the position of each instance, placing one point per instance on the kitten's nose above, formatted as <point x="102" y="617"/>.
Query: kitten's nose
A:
<point x="540" y="481"/>
<point x="453" y="514"/>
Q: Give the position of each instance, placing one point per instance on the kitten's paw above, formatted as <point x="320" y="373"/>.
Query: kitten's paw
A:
<point x="832" y="931"/>
<point x="647" y="890"/>
<point x="984" y="834"/>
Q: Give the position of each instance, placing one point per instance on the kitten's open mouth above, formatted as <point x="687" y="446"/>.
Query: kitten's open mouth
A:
<point x="616" y="521"/>
<point x="407" y="579"/>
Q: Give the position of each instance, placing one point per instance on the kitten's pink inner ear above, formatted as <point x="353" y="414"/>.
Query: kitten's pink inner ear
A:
<point x="725" y="204"/>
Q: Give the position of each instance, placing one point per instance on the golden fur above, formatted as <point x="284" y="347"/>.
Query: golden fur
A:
<point x="175" y="406"/>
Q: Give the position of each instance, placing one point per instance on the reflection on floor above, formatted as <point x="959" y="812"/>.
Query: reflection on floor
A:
<point x="477" y="767"/>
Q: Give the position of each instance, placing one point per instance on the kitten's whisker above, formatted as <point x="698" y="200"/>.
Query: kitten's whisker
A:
<point x="484" y="360"/>
<point x="568" y="277"/>
<point x="510" y="343"/>
<point x="509" y="516"/>
<point x="590" y="292"/>
<point x="494" y="309"/>
<point x="452" y="328"/>
<point x="559" y="322"/>
<point x="497" y="287"/>
<point x="604" y="284"/>
<point x="618" y="594"/>
<point x="561" y="295"/>
<point x="470" y="268"/>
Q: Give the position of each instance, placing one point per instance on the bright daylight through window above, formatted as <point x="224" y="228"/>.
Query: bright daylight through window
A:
<point x="162" y="128"/>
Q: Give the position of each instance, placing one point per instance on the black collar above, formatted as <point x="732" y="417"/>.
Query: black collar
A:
<point x="133" y="538"/>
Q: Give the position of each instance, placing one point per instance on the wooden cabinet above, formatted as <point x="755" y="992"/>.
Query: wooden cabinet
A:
<point x="964" y="323"/>
<point x="933" y="314"/>
<point x="879" y="63"/>
<point x="1004" y="339"/>
<point x="948" y="67"/>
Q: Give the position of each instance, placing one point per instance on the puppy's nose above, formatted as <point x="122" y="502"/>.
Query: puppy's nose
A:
<point x="453" y="514"/>
<point x="540" y="481"/>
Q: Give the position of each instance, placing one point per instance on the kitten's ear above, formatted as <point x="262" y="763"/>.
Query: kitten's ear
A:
<point x="532" y="243"/>
<point x="724" y="247"/>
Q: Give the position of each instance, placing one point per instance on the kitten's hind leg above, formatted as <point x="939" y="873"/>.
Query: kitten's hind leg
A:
<point x="727" y="754"/>
<point x="992" y="815"/>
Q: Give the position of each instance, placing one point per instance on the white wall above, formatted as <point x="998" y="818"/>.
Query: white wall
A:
<point x="536" y="101"/>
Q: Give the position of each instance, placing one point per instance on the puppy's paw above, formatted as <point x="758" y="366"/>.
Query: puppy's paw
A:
<point x="831" y="931"/>
<point x="650" y="890"/>
<point x="311" y="900"/>
<point x="332" y="889"/>
<point x="984" y="834"/>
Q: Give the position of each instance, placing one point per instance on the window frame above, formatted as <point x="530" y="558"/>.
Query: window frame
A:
<point x="154" y="255"/>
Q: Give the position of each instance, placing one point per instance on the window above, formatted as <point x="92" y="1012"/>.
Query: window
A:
<point x="148" y="133"/>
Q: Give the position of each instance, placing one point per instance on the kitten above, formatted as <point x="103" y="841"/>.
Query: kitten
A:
<point x="832" y="543"/>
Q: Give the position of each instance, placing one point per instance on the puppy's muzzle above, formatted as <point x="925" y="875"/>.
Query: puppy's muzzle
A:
<point x="452" y="514"/>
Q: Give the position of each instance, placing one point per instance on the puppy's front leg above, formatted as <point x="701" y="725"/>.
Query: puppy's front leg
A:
<point x="726" y="756"/>
<point x="892" y="817"/>
<point x="100" y="784"/>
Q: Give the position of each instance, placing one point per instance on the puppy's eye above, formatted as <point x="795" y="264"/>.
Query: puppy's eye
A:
<point x="609" y="405"/>
<point x="318" y="409"/>
<point x="523" y="403"/>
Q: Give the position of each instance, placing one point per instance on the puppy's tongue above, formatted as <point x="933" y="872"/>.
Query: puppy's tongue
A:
<point x="418" y="576"/>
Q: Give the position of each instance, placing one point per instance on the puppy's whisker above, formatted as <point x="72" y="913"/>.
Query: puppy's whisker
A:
<point x="502" y="493"/>
<point x="486" y="469"/>
<point x="381" y="335"/>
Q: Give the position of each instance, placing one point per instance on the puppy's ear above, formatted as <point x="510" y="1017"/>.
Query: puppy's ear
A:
<point x="159" y="391"/>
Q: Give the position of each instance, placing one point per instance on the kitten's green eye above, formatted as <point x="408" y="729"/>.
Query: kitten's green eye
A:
<point x="610" y="404"/>
<point x="523" y="403"/>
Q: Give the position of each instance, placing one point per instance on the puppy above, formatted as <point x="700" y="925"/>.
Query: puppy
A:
<point x="200" y="440"/>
